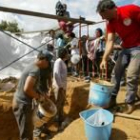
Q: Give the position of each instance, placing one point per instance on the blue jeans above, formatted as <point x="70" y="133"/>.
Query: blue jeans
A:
<point x="130" y="59"/>
<point x="113" y="77"/>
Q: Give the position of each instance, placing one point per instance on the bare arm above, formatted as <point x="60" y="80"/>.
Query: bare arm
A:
<point x="29" y="87"/>
<point x="109" y="46"/>
<point x="108" y="50"/>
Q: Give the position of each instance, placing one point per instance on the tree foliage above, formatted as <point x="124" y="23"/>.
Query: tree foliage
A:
<point x="10" y="26"/>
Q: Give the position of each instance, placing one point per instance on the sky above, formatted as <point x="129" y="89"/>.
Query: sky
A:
<point x="84" y="8"/>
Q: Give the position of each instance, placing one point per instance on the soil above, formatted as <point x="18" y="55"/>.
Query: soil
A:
<point x="77" y="101"/>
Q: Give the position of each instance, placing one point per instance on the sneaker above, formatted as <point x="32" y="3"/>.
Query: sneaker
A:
<point x="87" y="78"/>
<point x="129" y="108"/>
<point x="64" y="124"/>
<point x="87" y="81"/>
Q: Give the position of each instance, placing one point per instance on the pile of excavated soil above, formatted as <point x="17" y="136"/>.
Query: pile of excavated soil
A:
<point x="77" y="100"/>
<point x="123" y="129"/>
<point x="8" y="126"/>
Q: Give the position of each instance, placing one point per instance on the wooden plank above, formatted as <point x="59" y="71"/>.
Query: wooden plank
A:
<point x="44" y="15"/>
<point x="128" y="116"/>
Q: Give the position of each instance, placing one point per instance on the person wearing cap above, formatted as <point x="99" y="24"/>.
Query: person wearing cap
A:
<point x="60" y="83"/>
<point x="32" y="85"/>
<point x="49" y="41"/>
<point x="125" y="21"/>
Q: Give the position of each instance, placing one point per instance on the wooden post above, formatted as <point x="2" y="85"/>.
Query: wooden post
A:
<point x="80" y="50"/>
<point x="44" y="15"/>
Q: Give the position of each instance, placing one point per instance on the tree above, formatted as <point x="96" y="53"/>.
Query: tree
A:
<point x="10" y="26"/>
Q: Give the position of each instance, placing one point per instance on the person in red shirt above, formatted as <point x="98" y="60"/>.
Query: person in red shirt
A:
<point x="125" y="21"/>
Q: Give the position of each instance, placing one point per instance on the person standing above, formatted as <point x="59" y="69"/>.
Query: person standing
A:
<point x="95" y="49"/>
<point x="32" y="85"/>
<point x="49" y="40"/>
<point x="125" y="21"/>
<point x="84" y="58"/>
<point x="60" y="43"/>
<point x="60" y="83"/>
<point x="74" y="49"/>
<point x="61" y="10"/>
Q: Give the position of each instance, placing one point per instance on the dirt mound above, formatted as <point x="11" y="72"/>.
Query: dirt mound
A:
<point x="75" y="131"/>
<point x="77" y="101"/>
<point x="11" y="79"/>
<point x="123" y="129"/>
<point x="8" y="84"/>
<point x="77" y="98"/>
<point x="8" y="126"/>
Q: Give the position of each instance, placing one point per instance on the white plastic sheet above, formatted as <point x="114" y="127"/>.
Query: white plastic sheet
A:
<point x="11" y="49"/>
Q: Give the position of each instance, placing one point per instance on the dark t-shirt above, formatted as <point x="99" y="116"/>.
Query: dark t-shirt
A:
<point x="41" y="76"/>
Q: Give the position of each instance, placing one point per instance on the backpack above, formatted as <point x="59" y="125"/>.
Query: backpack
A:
<point x="59" y="9"/>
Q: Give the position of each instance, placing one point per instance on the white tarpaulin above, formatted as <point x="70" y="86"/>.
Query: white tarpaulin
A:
<point x="11" y="50"/>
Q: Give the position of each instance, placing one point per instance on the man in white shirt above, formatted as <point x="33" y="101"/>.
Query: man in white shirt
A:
<point x="49" y="41"/>
<point x="60" y="83"/>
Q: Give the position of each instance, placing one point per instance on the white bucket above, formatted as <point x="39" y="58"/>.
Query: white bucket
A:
<point x="45" y="111"/>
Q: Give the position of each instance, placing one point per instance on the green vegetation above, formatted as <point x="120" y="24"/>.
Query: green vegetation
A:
<point x="10" y="26"/>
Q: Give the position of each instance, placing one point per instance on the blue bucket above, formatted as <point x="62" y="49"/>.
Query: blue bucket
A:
<point x="93" y="132"/>
<point x="100" y="93"/>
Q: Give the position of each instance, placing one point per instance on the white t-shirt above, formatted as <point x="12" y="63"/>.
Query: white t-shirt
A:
<point x="60" y="74"/>
<point x="75" y="50"/>
<point x="47" y="40"/>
